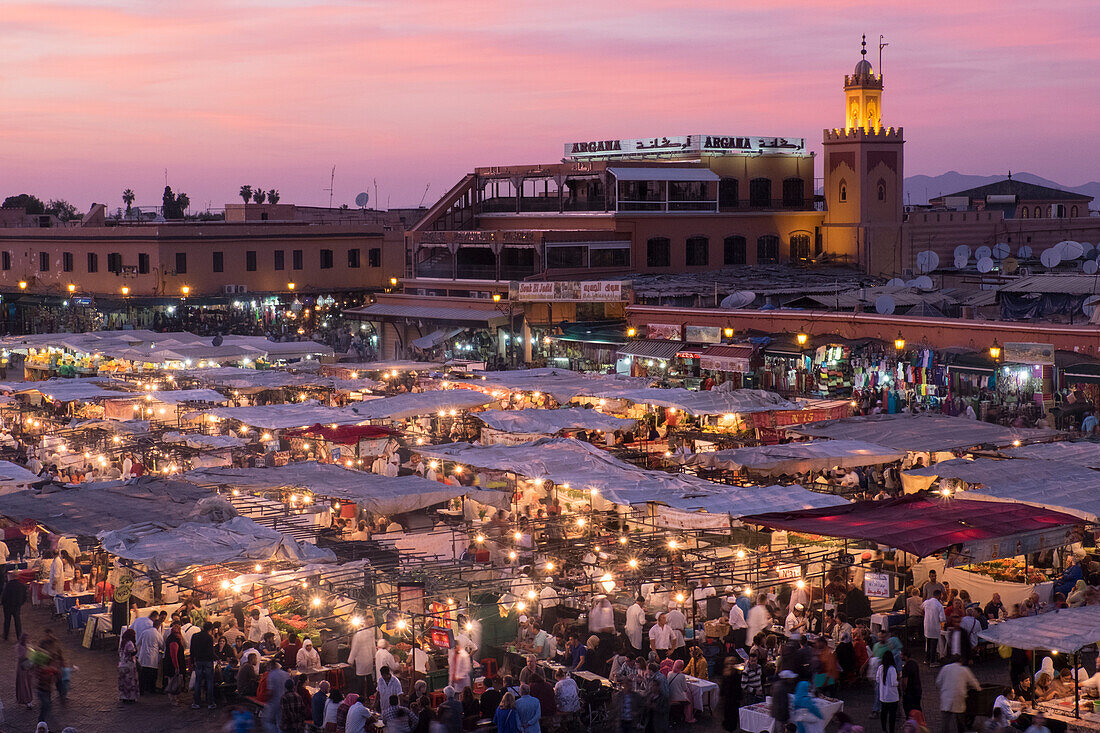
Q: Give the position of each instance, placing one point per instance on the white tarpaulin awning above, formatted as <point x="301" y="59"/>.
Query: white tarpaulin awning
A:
<point x="170" y="550"/>
<point x="16" y="478"/>
<point x="710" y="402"/>
<point x="375" y="493"/>
<point x="435" y="338"/>
<point x="919" y="433"/>
<point x="70" y="390"/>
<point x="280" y="417"/>
<point x="550" y="422"/>
<point x="585" y="467"/>
<point x="819" y="455"/>
<point x="415" y="404"/>
<point x="205" y="442"/>
<point x="561" y="384"/>
<point x="1063" y="630"/>
<point x="1082" y="453"/>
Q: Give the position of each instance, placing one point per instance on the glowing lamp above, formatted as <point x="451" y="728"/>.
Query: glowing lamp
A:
<point x="22" y="284"/>
<point x="899" y="343"/>
<point x="72" y="288"/>
<point x="631" y="332"/>
<point x="728" y="332"/>
<point x="496" y="297"/>
<point x="186" y="290"/>
<point x="802" y="338"/>
<point x="995" y="351"/>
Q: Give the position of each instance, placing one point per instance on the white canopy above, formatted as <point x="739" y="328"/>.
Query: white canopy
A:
<point x="255" y="380"/>
<point x="70" y="390"/>
<point x="415" y="404"/>
<point x="1063" y="630"/>
<point x="585" y="467"/>
<point x="920" y="433"/>
<point x="1082" y="453"/>
<point x="168" y="549"/>
<point x="16" y="478"/>
<point x="819" y="455"/>
<point x="175" y="396"/>
<point x="198" y="440"/>
<point x="711" y="402"/>
<point x="561" y="384"/>
<point x="549" y="422"/>
<point x="279" y="417"/>
<point x="377" y="494"/>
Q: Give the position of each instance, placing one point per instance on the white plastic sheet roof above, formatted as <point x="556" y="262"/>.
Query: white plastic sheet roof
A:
<point x="585" y="467"/>
<point x="561" y="384"/>
<point x="169" y="550"/>
<point x="279" y="417"/>
<point x="1063" y="630"/>
<point x="378" y="494"/>
<point x="711" y="402"/>
<point x="69" y="390"/>
<point x="1081" y="453"/>
<point x="415" y="404"/>
<point x="257" y="380"/>
<point x="919" y="433"/>
<point x="16" y="478"/>
<point x="819" y="455"/>
<point x="175" y="396"/>
<point x="142" y="345"/>
<point x="200" y="441"/>
<point x="549" y="422"/>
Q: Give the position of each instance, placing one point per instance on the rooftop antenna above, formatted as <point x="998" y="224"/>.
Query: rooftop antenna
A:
<point x="881" y="46"/>
<point x="425" y="195"/>
<point x="331" y="179"/>
<point x="376" y="199"/>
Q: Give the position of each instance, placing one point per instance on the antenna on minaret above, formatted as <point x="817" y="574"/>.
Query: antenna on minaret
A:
<point x="881" y="46"/>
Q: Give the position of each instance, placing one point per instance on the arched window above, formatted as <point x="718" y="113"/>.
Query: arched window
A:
<point x="697" y="252"/>
<point x="793" y="190"/>
<point x="1073" y="212"/>
<point x="1023" y="212"/>
<point x="760" y="193"/>
<point x="734" y="251"/>
<point x="1038" y="213"/>
<point x="800" y="246"/>
<point x="881" y="190"/>
<point x="658" y="252"/>
<point x="843" y="191"/>
<point x="767" y="249"/>
<point x="727" y="193"/>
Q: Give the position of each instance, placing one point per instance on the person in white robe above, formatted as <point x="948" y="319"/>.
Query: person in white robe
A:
<point x="635" y="622"/>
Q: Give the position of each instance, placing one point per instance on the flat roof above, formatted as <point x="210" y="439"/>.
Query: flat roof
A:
<point x="661" y="173"/>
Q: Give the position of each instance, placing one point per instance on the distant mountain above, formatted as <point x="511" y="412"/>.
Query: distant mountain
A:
<point x="918" y="189"/>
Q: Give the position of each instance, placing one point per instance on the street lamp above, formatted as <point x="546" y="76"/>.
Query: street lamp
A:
<point x="802" y="338"/>
<point x="728" y="332"/>
<point x="290" y="286"/>
<point x="496" y="297"/>
<point x="72" y="288"/>
<point x="899" y="342"/>
<point x="995" y="351"/>
<point x="631" y="333"/>
<point x="125" y="289"/>
<point x="186" y="290"/>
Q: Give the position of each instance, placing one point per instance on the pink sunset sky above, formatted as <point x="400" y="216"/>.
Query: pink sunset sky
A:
<point x="101" y="95"/>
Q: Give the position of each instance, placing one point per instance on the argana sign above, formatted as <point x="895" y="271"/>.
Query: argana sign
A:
<point x="589" y="291"/>
<point x="692" y="144"/>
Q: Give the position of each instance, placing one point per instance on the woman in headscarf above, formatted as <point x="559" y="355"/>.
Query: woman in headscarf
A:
<point x="1076" y="597"/>
<point x="174" y="664"/>
<point x="127" y="668"/>
<point x="846" y="657"/>
<point x="1046" y="667"/>
<point x="24" y="673"/>
<point x="804" y="712"/>
<point x="915" y="723"/>
<point x="678" y="694"/>
<point x="309" y="660"/>
<point x="342" y="712"/>
<point x="666" y="666"/>
<point x="248" y="677"/>
<point x="697" y="665"/>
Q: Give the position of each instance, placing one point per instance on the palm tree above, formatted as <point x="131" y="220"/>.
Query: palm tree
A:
<point x="258" y="195"/>
<point x="184" y="202"/>
<point x="273" y="196"/>
<point x="246" y="193"/>
<point x="128" y="199"/>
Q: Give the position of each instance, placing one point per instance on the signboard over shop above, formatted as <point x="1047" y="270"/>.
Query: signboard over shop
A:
<point x="562" y="291"/>
<point x="685" y="145"/>
<point x="1020" y="352"/>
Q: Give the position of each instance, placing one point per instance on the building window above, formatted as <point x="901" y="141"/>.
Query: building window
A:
<point x="296" y="259"/>
<point x="250" y="260"/>
<point x="1073" y="212"/>
<point x="697" y="253"/>
<point x="181" y="263"/>
<point x="609" y="256"/>
<point x="800" y="247"/>
<point x="760" y="193"/>
<point x="734" y="251"/>
<point x="114" y="262"/>
<point x="374" y="257"/>
<point x="567" y="257"/>
<point x="727" y="193"/>
<point x="143" y="263"/>
<point x="793" y="190"/>
<point x="658" y="252"/>
<point x="1038" y="213"/>
<point x="43" y="261"/>
<point x="219" y="261"/>
<point x="353" y="257"/>
<point x="280" y="259"/>
<point x="767" y="249"/>
<point x="882" y="190"/>
<point x="93" y="262"/>
<point x="843" y="191"/>
<point x="326" y="259"/>
<point x="5" y="260"/>
<point x="67" y="261"/>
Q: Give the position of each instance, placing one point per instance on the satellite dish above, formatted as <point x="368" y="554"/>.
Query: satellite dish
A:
<point x="738" y="299"/>
<point x="923" y="282"/>
<point x="1089" y="267"/>
<point x="1089" y="306"/>
<point x="217" y="340"/>
<point x="985" y="264"/>
<point x="1001" y="250"/>
<point x="1051" y="258"/>
<point x="362" y="199"/>
<point x="927" y="261"/>
<point x="1090" y="251"/>
<point x="1072" y="250"/>
<point x="962" y="251"/>
<point x="961" y="262"/>
<point x="884" y="305"/>
<point x="1024" y="252"/>
<point x="895" y="282"/>
<point x="1010" y="265"/>
<point x="982" y="251"/>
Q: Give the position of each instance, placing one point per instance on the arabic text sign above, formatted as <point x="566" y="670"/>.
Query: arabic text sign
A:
<point x="590" y="291"/>
<point x="876" y="585"/>
<point x="695" y="144"/>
